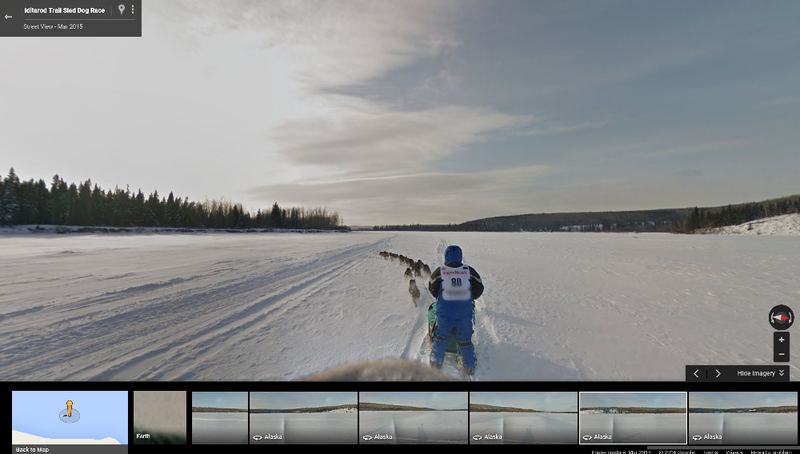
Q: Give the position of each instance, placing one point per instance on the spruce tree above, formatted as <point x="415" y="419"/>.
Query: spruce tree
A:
<point x="10" y="203"/>
<point x="275" y="215"/>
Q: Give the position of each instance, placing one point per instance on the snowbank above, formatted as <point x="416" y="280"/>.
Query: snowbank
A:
<point x="787" y="224"/>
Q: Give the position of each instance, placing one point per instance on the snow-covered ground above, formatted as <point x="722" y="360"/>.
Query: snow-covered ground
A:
<point x="787" y="224"/>
<point x="280" y="306"/>
<point x="219" y="428"/>
<point x="742" y="428"/>
<point x="413" y="427"/>
<point x="634" y="428"/>
<point x="526" y="428"/>
<point x="304" y="428"/>
<point x="342" y="411"/>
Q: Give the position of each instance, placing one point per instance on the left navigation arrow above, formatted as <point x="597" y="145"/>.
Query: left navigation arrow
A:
<point x="8" y="17"/>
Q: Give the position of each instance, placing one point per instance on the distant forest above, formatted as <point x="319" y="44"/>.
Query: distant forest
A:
<point x="218" y="410"/>
<point x="681" y="220"/>
<point x="632" y="410"/>
<point x="306" y="409"/>
<point x="32" y="202"/>
<point x="705" y="218"/>
<point x="497" y="409"/>
<point x="783" y="409"/>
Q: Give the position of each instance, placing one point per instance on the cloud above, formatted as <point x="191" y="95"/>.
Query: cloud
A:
<point x="719" y="145"/>
<point x="322" y="50"/>
<point x="429" y="197"/>
<point x="688" y="173"/>
<point x="332" y="43"/>
<point x="356" y="135"/>
<point x="790" y="99"/>
<point x="550" y="128"/>
<point x="443" y="83"/>
<point x="336" y="145"/>
<point x="420" y="185"/>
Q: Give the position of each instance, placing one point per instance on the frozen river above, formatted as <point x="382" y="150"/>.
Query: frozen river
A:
<point x="633" y="428"/>
<point x="743" y="428"/>
<point x="304" y="428"/>
<point x="523" y="428"/>
<point x="219" y="428"/>
<point x="280" y="306"/>
<point x="413" y="427"/>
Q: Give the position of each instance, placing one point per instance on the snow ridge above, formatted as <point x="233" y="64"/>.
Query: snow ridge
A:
<point x="787" y="224"/>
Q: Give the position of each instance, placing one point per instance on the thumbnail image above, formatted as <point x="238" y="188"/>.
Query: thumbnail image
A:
<point x="219" y="418"/>
<point x="633" y="418"/>
<point x="413" y="418"/>
<point x="304" y="418"/>
<point x="159" y="417"/>
<point x="69" y="417"/>
<point x="523" y="418"/>
<point x="763" y="418"/>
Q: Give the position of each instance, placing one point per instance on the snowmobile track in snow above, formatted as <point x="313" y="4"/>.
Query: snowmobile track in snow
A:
<point x="179" y="321"/>
<point x="292" y="286"/>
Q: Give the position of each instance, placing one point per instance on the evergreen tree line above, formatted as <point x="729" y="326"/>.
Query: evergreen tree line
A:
<point x="646" y="221"/>
<point x="417" y="227"/>
<point x="32" y="202"/>
<point x="610" y="221"/>
<point x="733" y="215"/>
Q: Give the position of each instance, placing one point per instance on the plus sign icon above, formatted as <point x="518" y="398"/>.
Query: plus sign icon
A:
<point x="781" y="317"/>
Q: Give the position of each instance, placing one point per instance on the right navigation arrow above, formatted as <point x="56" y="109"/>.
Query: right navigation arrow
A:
<point x="718" y="373"/>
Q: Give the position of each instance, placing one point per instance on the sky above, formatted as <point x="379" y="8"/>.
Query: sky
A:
<point x="648" y="400"/>
<point x="434" y="400"/>
<point x="542" y="401"/>
<point x="419" y="111"/>
<point x="289" y="400"/>
<point x="237" y="400"/>
<point x="741" y="400"/>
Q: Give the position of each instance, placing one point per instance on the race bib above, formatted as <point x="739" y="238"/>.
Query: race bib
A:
<point x="455" y="283"/>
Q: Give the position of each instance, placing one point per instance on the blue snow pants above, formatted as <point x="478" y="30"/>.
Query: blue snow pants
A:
<point x="463" y="331"/>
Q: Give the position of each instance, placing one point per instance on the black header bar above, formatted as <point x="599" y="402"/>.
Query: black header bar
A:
<point x="69" y="18"/>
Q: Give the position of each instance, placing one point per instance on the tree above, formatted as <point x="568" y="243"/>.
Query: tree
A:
<point x="10" y="204"/>
<point x="170" y="211"/>
<point x="275" y="216"/>
<point x="72" y="203"/>
<point x="152" y="210"/>
<point x="236" y="218"/>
